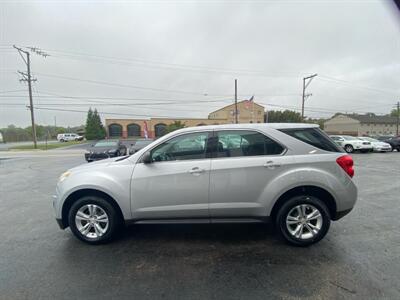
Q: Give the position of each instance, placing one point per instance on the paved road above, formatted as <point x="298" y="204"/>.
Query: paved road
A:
<point x="359" y="258"/>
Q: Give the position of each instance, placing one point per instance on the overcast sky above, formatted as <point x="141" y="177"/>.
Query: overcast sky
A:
<point x="180" y="58"/>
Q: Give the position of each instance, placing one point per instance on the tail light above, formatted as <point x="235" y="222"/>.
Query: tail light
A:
<point x="346" y="163"/>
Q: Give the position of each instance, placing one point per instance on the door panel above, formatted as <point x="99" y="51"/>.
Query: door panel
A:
<point x="176" y="189"/>
<point x="237" y="185"/>
<point x="176" y="182"/>
<point x="246" y="161"/>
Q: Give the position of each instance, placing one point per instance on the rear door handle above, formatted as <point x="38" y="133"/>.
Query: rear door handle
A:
<point x="196" y="171"/>
<point x="271" y="165"/>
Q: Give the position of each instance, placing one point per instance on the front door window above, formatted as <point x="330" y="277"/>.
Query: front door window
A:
<point x="184" y="147"/>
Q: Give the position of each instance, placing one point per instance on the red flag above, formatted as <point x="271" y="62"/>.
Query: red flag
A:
<point x="146" y="133"/>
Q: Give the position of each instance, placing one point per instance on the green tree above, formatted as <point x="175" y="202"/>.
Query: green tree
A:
<point x="94" y="127"/>
<point x="393" y="113"/>
<point x="175" y="126"/>
<point x="319" y="121"/>
<point x="286" y="116"/>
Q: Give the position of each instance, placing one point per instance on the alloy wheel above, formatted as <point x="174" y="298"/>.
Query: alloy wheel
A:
<point x="304" y="221"/>
<point x="92" y="221"/>
<point x="349" y="149"/>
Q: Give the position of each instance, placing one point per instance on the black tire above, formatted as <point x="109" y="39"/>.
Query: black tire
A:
<point x="349" y="148"/>
<point x="286" y="208"/>
<point x="118" y="153"/>
<point x="114" y="219"/>
<point x="62" y="141"/>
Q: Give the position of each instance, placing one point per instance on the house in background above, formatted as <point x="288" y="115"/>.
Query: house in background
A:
<point x="361" y="125"/>
<point x="248" y="112"/>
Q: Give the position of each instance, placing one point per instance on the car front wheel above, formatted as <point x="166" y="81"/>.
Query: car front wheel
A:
<point x="303" y="220"/>
<point x="349" y="148"/>
<point x="93" y="220"/>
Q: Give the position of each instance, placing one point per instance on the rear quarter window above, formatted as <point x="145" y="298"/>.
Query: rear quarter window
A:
<point x="314" y="137"/>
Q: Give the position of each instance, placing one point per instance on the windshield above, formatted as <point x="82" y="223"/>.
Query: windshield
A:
<point x="106" y="144"/>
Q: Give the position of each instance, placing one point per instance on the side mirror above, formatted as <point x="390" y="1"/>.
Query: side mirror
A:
<point x="146" y="158"/>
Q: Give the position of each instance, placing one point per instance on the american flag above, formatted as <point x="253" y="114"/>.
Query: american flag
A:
<point x="248" y="102"/>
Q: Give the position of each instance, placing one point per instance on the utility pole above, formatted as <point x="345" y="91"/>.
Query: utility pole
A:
<point x="236" y="109"/>
<point x="27" y="77"/>
<point x="398" y="118"/>
<point x="305" y="96"/>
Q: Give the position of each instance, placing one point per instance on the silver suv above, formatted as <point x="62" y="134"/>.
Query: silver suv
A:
<point x="291" y="174"/>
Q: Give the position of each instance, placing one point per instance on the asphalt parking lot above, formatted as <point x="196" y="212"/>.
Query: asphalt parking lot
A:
<point x="359" y="258"/>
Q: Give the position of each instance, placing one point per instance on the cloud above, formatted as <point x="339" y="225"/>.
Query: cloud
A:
<point x="200" y="47"/>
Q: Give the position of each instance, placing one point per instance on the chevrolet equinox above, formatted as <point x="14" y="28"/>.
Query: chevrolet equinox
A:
<point x="293" y="175"/>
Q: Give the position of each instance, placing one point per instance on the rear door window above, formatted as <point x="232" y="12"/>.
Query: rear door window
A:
<point x="314" y="137"/>
<point x="245" y="143"/>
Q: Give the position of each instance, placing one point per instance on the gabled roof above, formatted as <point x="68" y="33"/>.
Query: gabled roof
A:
<point x="372" y="119"/>
<point x="233" y="104"/>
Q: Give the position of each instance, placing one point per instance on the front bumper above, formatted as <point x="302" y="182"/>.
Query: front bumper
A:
<point x="363" y="147"/>
<point x="383" y="149"/>
<point x="60" y="223"/>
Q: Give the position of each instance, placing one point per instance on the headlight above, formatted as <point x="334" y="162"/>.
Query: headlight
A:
<point x="111" y="151"/>
<point x="64" y="176"/>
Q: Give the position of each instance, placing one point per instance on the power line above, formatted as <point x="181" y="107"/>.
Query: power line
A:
<point x="120" y="85"/>
<point x="357" y="86"/>
<point x="164" y="65"/>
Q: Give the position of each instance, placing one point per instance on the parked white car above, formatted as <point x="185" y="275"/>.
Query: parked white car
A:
<point x="377" y="145"/>
<point x="351" y="143"/>
<point x="66" y="137"/>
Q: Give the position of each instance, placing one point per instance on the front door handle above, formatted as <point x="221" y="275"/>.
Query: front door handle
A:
<point x="196" y="171"/>
<point x="271" y="165"/>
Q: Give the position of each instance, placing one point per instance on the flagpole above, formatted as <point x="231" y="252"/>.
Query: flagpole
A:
<point x="252" y="117"/>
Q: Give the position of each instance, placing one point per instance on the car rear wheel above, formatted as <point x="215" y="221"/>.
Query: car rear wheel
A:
<point x="349" y="148"/>
<point x="93" y="220"/>
<point x="303" y="220"/>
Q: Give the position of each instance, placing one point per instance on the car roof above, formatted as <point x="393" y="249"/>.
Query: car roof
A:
<point x="259" y="126"/>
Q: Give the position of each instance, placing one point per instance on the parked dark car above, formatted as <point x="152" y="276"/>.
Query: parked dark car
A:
<point x="394" y="142"/>
<point x="382" y="138"/>
<point x="139" y="144"/>
<point x="105" y="149"/>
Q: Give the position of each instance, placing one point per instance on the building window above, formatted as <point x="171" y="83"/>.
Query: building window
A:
<point x="160" y="129"/>
<point x="115" y="130"/>
<point x="133" y="130"/>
